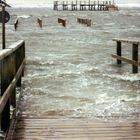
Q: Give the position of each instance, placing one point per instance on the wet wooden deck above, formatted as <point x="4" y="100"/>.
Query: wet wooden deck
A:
<point x="75" y="129"/>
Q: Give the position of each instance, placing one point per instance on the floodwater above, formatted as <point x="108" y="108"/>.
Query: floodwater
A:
<point x="69" y="70"/>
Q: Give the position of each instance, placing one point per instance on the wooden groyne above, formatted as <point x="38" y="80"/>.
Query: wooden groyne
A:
<point x="62" y="21"/>
<point x="40" y="22"/>
<point x="84" y="21"/>
<point x="16" y="24"/>
<point x="134" y="61"/>
<point x="12" y="62"/>
<point x="85" y="6"/>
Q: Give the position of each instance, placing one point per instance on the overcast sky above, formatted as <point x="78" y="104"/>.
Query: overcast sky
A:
<point x="48" y="3"/>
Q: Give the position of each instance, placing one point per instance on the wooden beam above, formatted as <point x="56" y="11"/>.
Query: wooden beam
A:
<point x="127" y="40"/>
<point x="126" y="60"/>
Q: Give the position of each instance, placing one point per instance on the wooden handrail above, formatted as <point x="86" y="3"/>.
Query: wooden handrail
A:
<point x="4" y="53"/>
<point x="10" y="88"/>
<point x="12" y="62"/>
<point x="127" y="40"/>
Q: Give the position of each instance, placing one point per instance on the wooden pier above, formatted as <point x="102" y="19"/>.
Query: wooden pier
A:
<point x="120" y="58"/>
<point x="84" y="6"/>
<point x="59" y="128"/>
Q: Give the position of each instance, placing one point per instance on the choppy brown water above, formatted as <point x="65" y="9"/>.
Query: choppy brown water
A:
<point x="69" y="71"/>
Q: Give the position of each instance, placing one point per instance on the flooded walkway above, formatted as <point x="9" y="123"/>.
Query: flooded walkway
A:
<point x="71" y="83"/>
<point x="58" y="128"/>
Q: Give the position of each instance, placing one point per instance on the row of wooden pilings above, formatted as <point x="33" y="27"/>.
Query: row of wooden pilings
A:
<point x="62" y="21"/>
<point x="84" y="6"/>
<point x="12" y="61"/>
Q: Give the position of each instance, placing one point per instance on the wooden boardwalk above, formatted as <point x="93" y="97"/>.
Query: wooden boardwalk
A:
<point x="59" y="128"/>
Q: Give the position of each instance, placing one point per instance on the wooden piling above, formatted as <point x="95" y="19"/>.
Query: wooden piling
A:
<point x="119" y="51"/>
<point x="135" y="57"/>
<point x="84" y="21"/>
<point x="16" y="24"/>
<point x="40" y="22"/>
<point x="62" y="21"/>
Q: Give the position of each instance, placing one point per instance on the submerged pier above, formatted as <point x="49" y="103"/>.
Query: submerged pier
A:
<point x="84" y="6"/>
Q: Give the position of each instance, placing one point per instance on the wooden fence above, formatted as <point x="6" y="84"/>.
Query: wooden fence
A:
<point x="12" y="62"/>
<point x="120" y="58"/>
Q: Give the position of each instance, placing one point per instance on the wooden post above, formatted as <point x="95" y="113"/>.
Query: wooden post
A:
<point x="13" y="96"/>
<point x="40" y="22"/>
<point x="135" y="57"/>
<point x="5" y="80"/>
<point x="16" y="24"/>
<point x="3" y="27"/>
<point x="119" y="51"/>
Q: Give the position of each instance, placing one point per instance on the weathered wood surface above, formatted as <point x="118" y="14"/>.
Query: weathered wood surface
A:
<point x="75" y="129"/>
<point x="8" y="92"/>
<point x="84" y="21"/>
<point x="62" y="21"/>
<point x="16" y="24"/>
<point x="127" y="40"/>
<point x="11" y="68"/>
<point x="40" y="22"/>
<point x="134" y="61"/>
<point x="127" y="60"/>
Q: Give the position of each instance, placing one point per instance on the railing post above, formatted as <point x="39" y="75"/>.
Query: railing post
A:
<point x="119" y="53"/>
<point x="5" y="115"/>
<point x="135" y="57"/>
<point x="13" y="96"/>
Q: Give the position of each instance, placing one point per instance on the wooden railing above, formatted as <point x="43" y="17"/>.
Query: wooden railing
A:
<point x="12" y="62"/>
<point x="120" y="58"/>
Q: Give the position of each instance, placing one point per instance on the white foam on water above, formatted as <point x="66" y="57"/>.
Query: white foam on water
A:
<point x="125" y="77"/>
<point x="24" y="16"/>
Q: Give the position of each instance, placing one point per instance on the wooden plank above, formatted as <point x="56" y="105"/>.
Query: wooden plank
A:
<point x="126" y="60"/>
<point x="62" y="21"/>
<point x="128" y="40"/>
<point x="75" y="129"/>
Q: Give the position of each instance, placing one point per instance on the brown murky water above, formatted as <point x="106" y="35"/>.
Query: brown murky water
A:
<point x="70" y="71"/>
